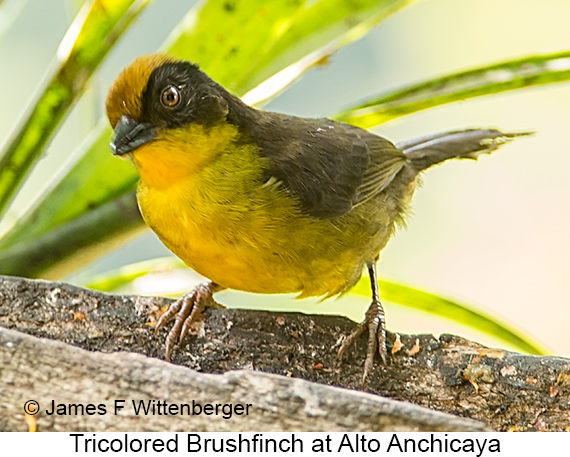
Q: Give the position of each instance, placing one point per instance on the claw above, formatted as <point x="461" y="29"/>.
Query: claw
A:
<point x="187" y="311"/>
<point x="375" y="323"/>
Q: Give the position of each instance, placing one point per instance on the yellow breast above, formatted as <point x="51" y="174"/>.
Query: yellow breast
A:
<point x="209" y="205"/>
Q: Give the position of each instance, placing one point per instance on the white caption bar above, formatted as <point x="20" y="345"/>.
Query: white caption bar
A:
<point x="458" y="444"/>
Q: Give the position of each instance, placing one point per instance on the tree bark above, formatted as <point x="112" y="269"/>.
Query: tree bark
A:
<point x="105" y="352"/>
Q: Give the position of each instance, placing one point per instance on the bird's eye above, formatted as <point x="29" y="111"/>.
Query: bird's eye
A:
<point x="170" y="97"/>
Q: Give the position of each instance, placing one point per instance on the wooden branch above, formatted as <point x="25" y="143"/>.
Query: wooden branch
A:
<point x="88" y="365"/>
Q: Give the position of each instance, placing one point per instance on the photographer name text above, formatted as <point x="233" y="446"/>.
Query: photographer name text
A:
<point x="149" y="408"/>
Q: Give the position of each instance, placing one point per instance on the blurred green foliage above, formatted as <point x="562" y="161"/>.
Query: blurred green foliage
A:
<point x="242" y="44"/>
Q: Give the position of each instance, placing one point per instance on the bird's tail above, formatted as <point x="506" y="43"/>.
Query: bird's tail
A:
<point x="462" y="144"/>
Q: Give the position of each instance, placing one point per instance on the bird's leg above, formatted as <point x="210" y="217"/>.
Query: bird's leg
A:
<point x="187" y="310"/>
<point x="375" y="323"/>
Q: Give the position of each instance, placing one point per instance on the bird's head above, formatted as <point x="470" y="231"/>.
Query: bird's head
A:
<point x="168" y="115"/>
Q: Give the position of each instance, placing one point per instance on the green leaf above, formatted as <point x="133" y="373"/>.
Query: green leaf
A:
<point x="328" y="24"/>
<point x="92" y="184"/>
<point x="104" y="177"/>
<point x="92" y="34"/>
<point x="225" y="37"/>
<point x="443" y="307"/>
<point x="515" y="74"/>
<point x="50" y="254"/>
<point x="113" y="280"/>
<point x="317" y="32"/>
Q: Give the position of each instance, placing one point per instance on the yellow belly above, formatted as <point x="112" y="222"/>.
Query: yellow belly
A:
<point x="226" y="224"/>
<point x="268" y="249"/>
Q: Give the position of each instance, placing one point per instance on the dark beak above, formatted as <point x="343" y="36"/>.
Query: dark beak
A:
<point x="131" y="134"/>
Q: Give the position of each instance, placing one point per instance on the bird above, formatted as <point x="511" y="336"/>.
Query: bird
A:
<point x="267" y="202"/>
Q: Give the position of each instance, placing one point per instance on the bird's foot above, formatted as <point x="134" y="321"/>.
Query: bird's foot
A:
<point x="375" y="323"/>
<point x="188" y="310"/>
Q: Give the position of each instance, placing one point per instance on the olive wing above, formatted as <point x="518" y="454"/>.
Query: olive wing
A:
<point x="330" y="166"/>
